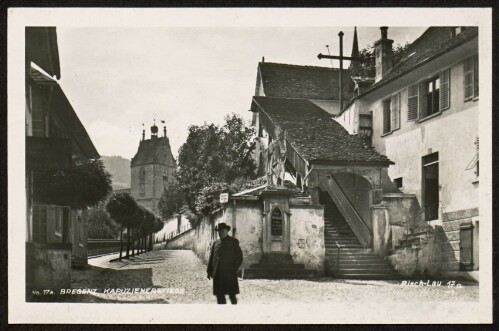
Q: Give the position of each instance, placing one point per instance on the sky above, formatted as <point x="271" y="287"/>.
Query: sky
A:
<point x="118" y="78"/>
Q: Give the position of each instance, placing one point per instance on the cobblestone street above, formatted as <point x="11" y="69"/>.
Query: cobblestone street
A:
<point x="180" y="277"/>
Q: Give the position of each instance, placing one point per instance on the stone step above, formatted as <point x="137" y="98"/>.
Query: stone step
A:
<point x="340" y="233"/>
<point x="276" y="258"/>
<point x="343" y="245"/>
<point x="354" y="257"/>
<point x="338" y="226"/>
<point x="332" y="259"/>
<point x="365" y="263"/>
<point x="333" y="254"/>
<point x="372" y="276"/>
<point x="349" y="251"/>
<point x="342" y="240"/>
<point x="361" y="271"/>
<point x="257" y="273"/>
<point x="298" y="266"/>
<point x="330" y="233"/>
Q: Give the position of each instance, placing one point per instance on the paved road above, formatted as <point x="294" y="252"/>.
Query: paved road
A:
<point x="180" y="277"/>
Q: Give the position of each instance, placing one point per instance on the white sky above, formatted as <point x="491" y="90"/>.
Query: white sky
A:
<point x="118" y="78"/>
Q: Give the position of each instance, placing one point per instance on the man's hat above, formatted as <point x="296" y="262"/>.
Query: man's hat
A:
<point x="222" y="226"/>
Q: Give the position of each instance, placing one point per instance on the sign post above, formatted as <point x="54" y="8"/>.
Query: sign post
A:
<point x="224" y="198"/>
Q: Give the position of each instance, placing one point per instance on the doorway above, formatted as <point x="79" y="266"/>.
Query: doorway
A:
<point x="430" y="186"/>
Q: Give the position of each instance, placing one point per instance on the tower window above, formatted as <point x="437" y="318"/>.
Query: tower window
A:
<point x="142" y="182"/>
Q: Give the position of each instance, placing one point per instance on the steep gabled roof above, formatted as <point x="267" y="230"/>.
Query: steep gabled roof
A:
<point x="435" y="41"/>
<point x="308" y="82"/>
<point x="62" y="107"/>
<point x="313" y="133"/>
<point x="41" y="48"/>
<point x="154" y="151"/>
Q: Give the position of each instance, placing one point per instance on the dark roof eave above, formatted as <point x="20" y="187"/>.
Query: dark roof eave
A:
<point x="349" y="103"/>
<point x="425" y="61"/>
<point x="351" y="163"/>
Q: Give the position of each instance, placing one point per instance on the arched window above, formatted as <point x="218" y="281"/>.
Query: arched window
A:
<point x="142" y="182"/>
<point x="276" y="222"/>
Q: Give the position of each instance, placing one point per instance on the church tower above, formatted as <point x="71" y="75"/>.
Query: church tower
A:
<point x="354" y="65"/>
<point x="152" y="169"/>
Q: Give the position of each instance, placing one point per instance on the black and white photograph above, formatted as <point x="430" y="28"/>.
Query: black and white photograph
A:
<point x="300" y="165"/>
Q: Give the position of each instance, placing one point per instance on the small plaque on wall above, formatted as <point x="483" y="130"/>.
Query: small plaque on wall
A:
<point x="276" y="222"/>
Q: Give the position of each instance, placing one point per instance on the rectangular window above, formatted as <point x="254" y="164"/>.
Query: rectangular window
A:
<point x="53" y="217"/>
<point x="38" y="113"/>
<point x="58" y="221"/>
<point x="398" y="182"/>
<point x="431" y="96"/>
<point x="470" y="67"/>
<point x="40" y="224"/>
<point x="395" y="112"/>
<point x="387" y="116"/>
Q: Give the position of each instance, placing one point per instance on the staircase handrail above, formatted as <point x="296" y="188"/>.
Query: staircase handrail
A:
<point x="360" y="229"/>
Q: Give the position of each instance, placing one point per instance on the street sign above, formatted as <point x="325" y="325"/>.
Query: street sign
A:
<point x="224" y="197"/>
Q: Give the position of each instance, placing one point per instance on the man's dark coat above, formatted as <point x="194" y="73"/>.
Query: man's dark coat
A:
<point x="225" y="258"/>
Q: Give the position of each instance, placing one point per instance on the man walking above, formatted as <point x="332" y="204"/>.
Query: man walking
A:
<point x="225" y="259"/>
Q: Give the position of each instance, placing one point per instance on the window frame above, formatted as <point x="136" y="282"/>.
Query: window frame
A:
<point x="417" y="96"/>
<point x="387" y="116"/>
<point x="58" y="223"/>
<point x="433" y="95"/>
<point x="391" y="113"/>
<point x="471" y="67"/>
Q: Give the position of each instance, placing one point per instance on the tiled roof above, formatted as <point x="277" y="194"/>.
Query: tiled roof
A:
<point x="154" y="150"/>
<point x="309" y="82"/>
<point x="433" y="42"/>
<point x="314" y="134"/>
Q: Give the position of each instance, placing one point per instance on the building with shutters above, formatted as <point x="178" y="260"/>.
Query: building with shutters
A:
<point x="425" y="114"/>
<point x="152" y="169"/>
<point x="56" y="235"/>
<point x="396" y="167"/>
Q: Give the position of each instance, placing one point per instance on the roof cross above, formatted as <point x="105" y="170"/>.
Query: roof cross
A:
<point x="341" y="58"/>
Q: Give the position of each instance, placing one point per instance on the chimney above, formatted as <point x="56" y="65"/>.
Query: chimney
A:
<point x="143" y="135"/>
<point x="383" y="54"/>
<point x="164" y="131"/>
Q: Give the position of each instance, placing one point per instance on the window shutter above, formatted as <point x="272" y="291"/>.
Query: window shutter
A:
<point x="445" y="89"/>
<point x="413" y="102"/>
<point x="468" y="79"/>
<point x="395" y="111"/>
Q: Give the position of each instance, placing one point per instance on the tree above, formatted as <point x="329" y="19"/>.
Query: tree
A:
<point x="158" y="226"/>
<point x="367" y="67"/>
<point x="124" y="210"/>
<point x="84" y="185"/>
<point x="101" y="225"/>
<point x="171" y="201"/>
<point x="214" y="154"/>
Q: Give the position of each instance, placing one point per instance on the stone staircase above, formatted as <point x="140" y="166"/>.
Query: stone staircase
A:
<point x="277" y="266"/>
<point x="350" y="260"/>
